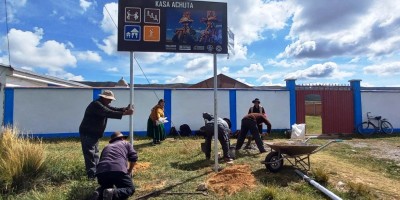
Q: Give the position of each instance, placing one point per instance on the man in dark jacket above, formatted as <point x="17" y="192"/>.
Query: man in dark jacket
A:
<point x="93" y="125"/>
<point x="257" y="108"/>
<point x="113" y="169"/>
<point x="249" y="123"/>
<point x="223" y="135"/>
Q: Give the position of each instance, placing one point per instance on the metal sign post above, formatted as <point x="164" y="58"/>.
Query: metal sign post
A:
<point x="131" y="95"/>
<point x="216" y="166"/>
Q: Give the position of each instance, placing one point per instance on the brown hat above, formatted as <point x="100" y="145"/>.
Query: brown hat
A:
<point x="256" y="100"/>
<point x="107" y="94"/>
<point x="116" y="136"/>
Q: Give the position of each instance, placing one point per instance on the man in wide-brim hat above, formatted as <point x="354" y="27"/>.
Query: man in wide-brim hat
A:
<point x="93" y="125"/>
<point x="112" y="169"/>
<point x="256" y="108"/>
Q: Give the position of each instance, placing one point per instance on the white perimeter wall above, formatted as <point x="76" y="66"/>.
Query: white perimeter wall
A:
<point x="188" y="106"/>
<point x="55" y="110"/>
<point x="275" y="103"/>
<point x="385" y="104"/>
<point x="50" y="110"/>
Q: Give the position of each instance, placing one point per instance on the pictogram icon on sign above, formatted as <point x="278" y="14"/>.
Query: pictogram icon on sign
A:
<point x="132" y="32"/>
<point x="152" y="16"/>
<point x="133" y="15"/>
<point x="151" y="33"/>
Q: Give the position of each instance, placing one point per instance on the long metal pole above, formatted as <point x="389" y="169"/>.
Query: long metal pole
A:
<point x="131" y="85"/>
<point x="216" y="166"/>
<point x="318" y="186"/>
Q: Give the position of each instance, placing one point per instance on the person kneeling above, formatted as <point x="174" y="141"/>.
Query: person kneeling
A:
<point x="112" y="169"/>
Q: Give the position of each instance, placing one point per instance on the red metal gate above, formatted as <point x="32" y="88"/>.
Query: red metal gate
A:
<point x="337" y="107"/>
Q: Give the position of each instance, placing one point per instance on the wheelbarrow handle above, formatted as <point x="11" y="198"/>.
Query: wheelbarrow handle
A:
<point x="325" y="145"/>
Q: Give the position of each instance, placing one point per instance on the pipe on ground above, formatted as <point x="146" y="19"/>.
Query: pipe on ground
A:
<point x="318" y="186"/>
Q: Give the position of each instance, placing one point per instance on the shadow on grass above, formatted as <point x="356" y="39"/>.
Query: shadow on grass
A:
<point x="282" y="178"/>
<point x="193" y="166"/>
<point x="165" y="190"/>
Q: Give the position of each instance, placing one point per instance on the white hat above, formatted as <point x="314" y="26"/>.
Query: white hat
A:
<point x="107" y="94"/>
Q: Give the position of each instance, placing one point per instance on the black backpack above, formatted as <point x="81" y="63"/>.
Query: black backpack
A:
<point x="173" y="131"/>
<point x="185" y="130"/>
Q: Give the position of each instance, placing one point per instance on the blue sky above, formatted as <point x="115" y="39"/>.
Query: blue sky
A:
<point x="313" y="41"/>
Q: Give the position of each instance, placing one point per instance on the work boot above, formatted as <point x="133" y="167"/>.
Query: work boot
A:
<point x="108" y="194"/>
<point x="228" y="160"/>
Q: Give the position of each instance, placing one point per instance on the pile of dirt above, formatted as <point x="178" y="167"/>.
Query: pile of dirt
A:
<point x="230" y="180"/>
<point x="140" y="166"/>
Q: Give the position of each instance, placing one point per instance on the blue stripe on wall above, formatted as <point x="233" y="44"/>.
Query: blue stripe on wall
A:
<point x="356" y="87"/>
<point x="76" y="135"/>
<point x="291" y="86"/>
<point x="232" y="109"/>
<point x="96" y="93"/>
<point x="9" y="107"/>
<point x="168" y="109"/>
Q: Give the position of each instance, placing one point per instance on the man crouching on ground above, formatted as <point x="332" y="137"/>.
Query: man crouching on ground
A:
<point x="112" y="169"/>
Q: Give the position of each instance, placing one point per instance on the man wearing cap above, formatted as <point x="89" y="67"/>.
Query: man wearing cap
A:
<point x="257" y="108"/>
<point x="93" y="125"/>
<point x="224" y="126"/>
<point x="113" y="169"/>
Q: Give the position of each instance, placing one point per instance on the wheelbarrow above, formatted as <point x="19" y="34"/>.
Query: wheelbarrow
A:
<point x="297" y="153"/>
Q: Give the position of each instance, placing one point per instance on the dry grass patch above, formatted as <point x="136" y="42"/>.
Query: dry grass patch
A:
<point x="21" y="161"/>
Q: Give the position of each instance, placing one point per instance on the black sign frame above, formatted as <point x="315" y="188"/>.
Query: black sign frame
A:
<point x="172" y="26"/>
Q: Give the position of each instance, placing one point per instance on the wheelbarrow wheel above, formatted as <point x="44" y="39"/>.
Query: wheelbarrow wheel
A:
<point x="273" y="161"/>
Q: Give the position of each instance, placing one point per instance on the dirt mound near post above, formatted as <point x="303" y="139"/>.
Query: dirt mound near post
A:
<point x="141" y="166"/>
<point x="231" y="180"/>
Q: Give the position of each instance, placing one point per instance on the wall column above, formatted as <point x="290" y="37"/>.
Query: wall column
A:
<point x="168" y="109"/>
<point x="232" y="109"/>
<point x="356" y="88"/>
<point x="291" y="86"/>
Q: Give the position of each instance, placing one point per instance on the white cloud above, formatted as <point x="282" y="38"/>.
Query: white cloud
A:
<point x="298" y="49"/>
<point x="66" y="75"/>
<point x="249" y="18"/>
<point x="177" y="79"/>
<point x="154" y="81"/>
<point x="112" y="69"/>
<point x="28" y="68"/>
<point x="32" y="52"/>
<point x="85" y="4"/>
<point x="89" y="55"/>
<point x="384" y="69"/>
<point x="326" y="70"/>
<point x="286" y="63"/>
<point x="253" y="68"/>
<point x="244" y="81"/>
<point x="110" y="15"/>
<point x="324" y="29"/>
<point x="201" y="65"/>
<point x="224" y="70"/>
<point x="12" y="8"/>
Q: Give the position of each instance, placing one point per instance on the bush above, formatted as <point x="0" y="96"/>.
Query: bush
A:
<point x="320" y="175"/>
<point x="21" y="161"/>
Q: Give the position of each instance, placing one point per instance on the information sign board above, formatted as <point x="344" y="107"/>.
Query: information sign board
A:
<point x="172" y="26"/>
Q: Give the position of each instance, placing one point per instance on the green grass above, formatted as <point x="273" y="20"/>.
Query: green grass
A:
<point x="313" y="125"/>
<point x="177" y="166"/>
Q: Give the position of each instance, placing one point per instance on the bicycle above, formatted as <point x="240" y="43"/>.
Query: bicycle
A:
<point x="368" y="127"/>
